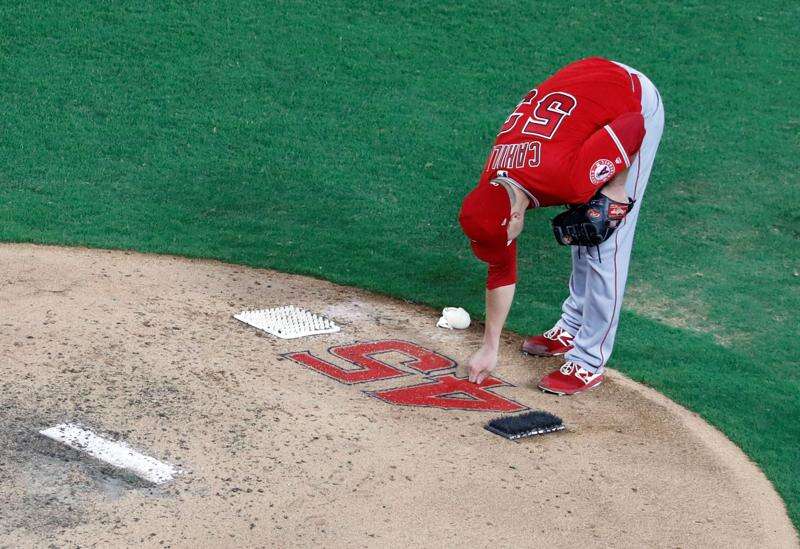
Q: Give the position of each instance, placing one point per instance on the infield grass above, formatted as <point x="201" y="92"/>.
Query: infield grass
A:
<point x="337" y="139"/>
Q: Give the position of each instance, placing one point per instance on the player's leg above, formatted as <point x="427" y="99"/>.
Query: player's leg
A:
<point x="572" y="308"/>
<point x="607" y="272"/>
<point x="558" y="340"/>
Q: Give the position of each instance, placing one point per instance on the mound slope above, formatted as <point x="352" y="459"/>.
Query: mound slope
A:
<point x="366" y="437"/>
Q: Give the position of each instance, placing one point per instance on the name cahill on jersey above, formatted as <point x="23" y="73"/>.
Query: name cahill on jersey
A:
<point x="514" y="155"/>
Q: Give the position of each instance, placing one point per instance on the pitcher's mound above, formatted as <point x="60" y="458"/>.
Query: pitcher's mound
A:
<point x="365" y="437"/>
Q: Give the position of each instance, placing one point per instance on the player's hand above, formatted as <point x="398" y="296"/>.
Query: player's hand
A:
<point x="482" y="364"/>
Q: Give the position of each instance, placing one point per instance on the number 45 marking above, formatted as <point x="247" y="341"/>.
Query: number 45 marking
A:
<point x="544" y="119"/>
<point x="439" y="390"/>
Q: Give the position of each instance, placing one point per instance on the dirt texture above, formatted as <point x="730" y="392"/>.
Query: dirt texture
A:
<point x="273" y="453"/>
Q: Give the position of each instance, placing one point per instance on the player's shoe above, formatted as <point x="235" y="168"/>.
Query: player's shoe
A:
<point x="571" y="378"/>
<point x="554" y="342"/>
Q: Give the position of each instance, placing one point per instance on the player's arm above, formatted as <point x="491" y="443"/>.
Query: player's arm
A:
<point x="498" y="303"/>
<point x="500" y="286"/>
<point x="605" y="157"/>
<point x="615" y="189"/>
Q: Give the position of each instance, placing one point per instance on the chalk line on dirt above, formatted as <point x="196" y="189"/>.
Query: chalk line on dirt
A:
<point x="117" y="454"/>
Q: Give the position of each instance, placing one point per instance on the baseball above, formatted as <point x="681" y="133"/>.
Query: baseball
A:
<point x="454" y="317"/>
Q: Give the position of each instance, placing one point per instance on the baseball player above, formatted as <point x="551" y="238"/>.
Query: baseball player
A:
<point x="585" y="138"/>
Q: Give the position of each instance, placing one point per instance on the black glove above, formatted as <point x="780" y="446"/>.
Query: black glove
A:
<point x="591" y="223"/>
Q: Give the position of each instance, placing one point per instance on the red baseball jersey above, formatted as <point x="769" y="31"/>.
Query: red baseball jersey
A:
<point x="567" y="138"/>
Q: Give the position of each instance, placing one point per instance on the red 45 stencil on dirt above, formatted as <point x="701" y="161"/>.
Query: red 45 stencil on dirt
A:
<point x="438" y="390"/>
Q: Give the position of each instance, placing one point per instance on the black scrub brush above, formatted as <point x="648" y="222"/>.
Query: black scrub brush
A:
<point x="525" y="425"/>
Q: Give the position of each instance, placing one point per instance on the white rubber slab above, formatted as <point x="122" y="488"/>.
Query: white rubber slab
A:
<point x="288" y="322"/>
<point x="117" y="454"/>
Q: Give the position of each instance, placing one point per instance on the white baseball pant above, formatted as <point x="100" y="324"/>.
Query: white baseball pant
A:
<point x="591" y="312"/>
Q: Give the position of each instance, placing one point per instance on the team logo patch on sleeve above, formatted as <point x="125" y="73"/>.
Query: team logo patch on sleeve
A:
<point x="601" y="171"/>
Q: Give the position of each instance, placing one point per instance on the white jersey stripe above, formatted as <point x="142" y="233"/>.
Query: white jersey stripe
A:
<point x="619" y="145"/>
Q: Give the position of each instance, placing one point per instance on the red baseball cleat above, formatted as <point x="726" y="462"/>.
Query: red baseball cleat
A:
<point x="571" y="378"/>
<point x="554" y="342"/>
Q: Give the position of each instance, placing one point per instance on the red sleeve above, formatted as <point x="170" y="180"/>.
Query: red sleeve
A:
<point x="606" y="153"/>
<point x="504" y="272"/>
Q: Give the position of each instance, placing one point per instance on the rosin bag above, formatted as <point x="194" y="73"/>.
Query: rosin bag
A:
<point x="454" y="318"/>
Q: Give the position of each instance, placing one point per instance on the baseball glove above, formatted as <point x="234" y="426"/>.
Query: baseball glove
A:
<point x="591" y="223"/>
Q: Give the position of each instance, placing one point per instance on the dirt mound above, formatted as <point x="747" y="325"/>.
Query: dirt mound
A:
<point x="367" y="437"/>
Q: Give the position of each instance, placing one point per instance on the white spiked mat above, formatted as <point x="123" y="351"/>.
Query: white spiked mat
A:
<point x="288" y="322"/>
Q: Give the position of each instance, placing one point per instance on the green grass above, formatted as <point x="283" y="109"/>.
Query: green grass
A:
<point x="337" y="139"/>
